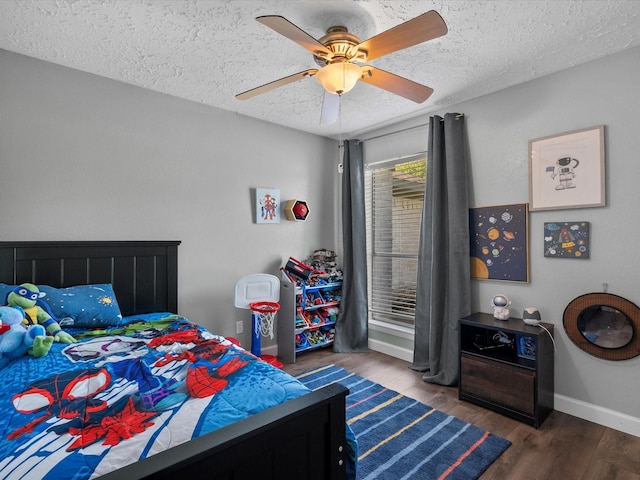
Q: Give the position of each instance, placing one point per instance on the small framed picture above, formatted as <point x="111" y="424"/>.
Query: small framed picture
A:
<point x="566" y="240"/>
<point x="567" y="170"/>
<point x="267" y="205"/>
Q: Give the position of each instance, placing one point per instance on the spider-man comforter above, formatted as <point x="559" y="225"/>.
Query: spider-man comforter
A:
<point x="124" y="393"/>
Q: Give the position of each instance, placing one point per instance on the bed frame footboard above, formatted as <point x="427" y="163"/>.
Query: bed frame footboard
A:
<point x="303" y="438"/>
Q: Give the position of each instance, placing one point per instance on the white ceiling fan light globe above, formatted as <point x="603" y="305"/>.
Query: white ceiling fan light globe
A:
<point x="338" y="78"/>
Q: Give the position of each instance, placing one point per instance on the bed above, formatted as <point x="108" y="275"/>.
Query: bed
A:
<point x="117" y="402"/>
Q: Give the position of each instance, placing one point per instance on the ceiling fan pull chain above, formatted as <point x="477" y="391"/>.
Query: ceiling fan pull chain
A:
<point x="340" y="144"/>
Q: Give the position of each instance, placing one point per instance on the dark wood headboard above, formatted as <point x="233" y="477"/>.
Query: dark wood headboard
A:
<point x="144" y="274"/>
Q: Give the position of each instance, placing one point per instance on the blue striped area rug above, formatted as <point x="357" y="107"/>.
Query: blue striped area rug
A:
<point x="400" y="438"/>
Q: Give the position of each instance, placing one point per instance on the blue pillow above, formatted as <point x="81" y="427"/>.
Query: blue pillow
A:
<point x="88" y="305"/>
<point x="79" y="306"/>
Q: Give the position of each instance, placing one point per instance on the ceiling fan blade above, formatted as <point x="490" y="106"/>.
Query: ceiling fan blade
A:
<point x="425" y="27"/>
<point x="275" y="84"/>
<point x="292" y="32"/>
<point x="330" y="108"/>
<point x="395" y="84"/>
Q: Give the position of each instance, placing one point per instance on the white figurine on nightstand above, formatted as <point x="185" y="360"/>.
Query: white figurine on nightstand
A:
<point x="500" y="304"/>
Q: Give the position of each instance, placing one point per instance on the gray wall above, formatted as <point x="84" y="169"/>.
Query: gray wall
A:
<point x="87" y="158"/>
<point x="499" y="127"/>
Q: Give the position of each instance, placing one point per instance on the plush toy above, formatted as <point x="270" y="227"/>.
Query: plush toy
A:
<point x="28" y="297"/>
<point x="17" y="340"/>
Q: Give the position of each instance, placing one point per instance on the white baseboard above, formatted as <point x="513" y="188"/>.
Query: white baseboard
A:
<point x="391" y="350"/>
<point x="596" y="414"/>
<point x="571" y="406"/>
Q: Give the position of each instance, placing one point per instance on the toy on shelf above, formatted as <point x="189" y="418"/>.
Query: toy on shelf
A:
<point x="331" y="313"/>
<point x="315" y="337"/>
<point x="301" y="322"/>
<point x="329" y="333"/>
<point x="323" y="261"/>
<point x="301" y="341"/>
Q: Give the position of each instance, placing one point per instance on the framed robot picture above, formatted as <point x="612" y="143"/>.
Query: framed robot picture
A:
<point x="567" y="170"/>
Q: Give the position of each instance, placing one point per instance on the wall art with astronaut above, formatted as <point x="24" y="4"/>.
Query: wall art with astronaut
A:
<point x="499" y="242"/>
<point x="567" y="170"/>
<point x="566" y="240"/>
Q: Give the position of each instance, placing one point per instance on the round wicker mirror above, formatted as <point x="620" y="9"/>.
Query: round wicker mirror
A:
<point x="604" y="325"/>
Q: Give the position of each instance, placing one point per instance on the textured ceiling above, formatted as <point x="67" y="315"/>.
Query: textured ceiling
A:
<point x="208" y="51"/>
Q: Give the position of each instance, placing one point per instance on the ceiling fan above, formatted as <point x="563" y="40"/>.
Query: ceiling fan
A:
<point x="339" y="54"/>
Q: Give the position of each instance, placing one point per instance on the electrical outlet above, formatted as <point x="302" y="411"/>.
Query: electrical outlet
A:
<point x="239" y="327"/>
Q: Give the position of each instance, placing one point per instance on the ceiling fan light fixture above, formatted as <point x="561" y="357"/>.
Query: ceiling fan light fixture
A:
<point x="339" y="77"/>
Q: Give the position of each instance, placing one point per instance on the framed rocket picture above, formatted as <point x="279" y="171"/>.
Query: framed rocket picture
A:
<point x="566" y="240"/>
<point x="499" y="242"/>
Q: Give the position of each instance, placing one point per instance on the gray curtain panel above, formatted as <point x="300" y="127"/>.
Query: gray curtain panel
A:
<point x="443" y="286"/>
<point x="352" y="330"/>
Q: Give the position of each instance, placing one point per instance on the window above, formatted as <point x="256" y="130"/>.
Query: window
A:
<point x="394" y="195"/>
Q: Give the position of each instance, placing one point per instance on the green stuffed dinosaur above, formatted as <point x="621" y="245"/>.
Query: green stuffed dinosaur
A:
<point x="28" y="297"/>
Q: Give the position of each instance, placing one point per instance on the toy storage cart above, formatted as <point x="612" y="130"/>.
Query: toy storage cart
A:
<point x="307" y="317"/>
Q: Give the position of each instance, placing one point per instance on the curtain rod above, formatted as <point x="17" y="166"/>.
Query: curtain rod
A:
<point x="402" y="131"/>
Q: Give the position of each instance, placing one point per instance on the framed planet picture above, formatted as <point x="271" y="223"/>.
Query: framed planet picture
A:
<point x="566" y="240"/>
<point x="499" y="242"/>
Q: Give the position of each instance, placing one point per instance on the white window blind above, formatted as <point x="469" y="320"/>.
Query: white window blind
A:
<point x="394" y="195"/>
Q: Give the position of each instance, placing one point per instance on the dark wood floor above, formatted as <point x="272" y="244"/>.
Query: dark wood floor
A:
<point x="564" y="448"/>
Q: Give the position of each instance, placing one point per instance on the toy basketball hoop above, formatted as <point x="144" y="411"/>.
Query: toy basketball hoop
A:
<point x="260" y="292"/>
<point x="262" y="317"/>
<point x="263" y="314"/>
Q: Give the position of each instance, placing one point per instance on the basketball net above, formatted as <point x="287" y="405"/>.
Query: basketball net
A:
<point x="264" y="313"/>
